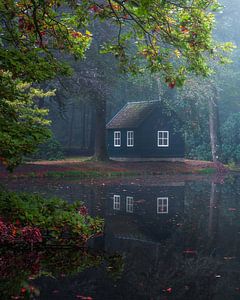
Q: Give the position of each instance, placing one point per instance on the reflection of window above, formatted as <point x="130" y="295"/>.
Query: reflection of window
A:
<point x="129" y="204"/>
<point x="130" y="138"/>
<point x="116" y="202"/>
<point x="163" y="139"/>
<point x="117" y="138"/>
<point x="162" y="205"/>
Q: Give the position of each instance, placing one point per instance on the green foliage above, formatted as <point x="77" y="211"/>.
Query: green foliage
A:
<point x="174" y="38"/>
<point x="207" y="171"/>
<point x="201" y="152"/>
<point x="231" y="139"/>
<point x="76" y="174"/>
<point x="22" y="124"/>
<point x="30" y="30"/>
<point x="50" y="150"/>
<point x="59" y="221"/>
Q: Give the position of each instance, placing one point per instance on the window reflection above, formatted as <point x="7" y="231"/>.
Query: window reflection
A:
<point x="129" y="204"/>
<point x="116" y="202"/>
<point x="162" y="205"/>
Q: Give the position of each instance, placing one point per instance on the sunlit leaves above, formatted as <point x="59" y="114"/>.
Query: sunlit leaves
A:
<point x="22" y="124"/>
<point x="165" y="35"/>
<point x="31" y="30"/>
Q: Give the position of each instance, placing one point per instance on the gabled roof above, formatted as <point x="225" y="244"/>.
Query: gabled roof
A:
<point x="132" y="114"/>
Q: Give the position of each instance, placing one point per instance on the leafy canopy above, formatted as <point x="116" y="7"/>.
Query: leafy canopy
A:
<point x="173" y="37"/>
<point x="170" y="37"/>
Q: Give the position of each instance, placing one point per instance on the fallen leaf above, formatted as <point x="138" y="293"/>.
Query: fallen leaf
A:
<point x="229" y="257"/>
<point x="84" y="297"/>
<point x="167" y="290"/>
<point x="189" y="251"/>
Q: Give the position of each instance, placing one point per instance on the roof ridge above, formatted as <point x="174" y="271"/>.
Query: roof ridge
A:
<point x="146" y="101"/>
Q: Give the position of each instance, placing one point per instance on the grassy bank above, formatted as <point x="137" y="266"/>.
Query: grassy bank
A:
<point x="87" y="169"/>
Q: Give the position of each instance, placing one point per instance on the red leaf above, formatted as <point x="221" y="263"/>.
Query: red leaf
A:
<point x="232" y="209"/>
<point x="172" y="84"/>
<point x="189" y="251"/>
<point x="167" y="290"/>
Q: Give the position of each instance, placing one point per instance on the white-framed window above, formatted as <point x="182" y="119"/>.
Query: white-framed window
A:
<point x="117" y="138"/>
<point x="162" y="205"/>
<point x="130" y="138"/>
<point x="116" y="202"/>
<point x="129" y="204"/>
<point x="163" y="139"/>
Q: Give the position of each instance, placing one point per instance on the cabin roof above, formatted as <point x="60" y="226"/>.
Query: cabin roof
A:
<point x="132" y="114"/>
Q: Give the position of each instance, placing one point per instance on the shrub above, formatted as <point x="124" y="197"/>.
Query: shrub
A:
<point x="231" y="139"/>
<point x="57" y="220"/>
<point x="51" y="150"/>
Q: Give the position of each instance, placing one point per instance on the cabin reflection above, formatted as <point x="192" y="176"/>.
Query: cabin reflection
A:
<point x="146" y="214"/>
<point x="146" y="200"/>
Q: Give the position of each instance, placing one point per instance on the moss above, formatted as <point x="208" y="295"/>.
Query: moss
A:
<point x="207" y="171"/>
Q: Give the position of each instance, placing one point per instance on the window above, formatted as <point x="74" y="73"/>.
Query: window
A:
<point x="163" y="138"/>
<point x="129" y="204"/>
<point x="162" y="205"/>
<point x="117" y="138"/>
<point x="116" y="202"/>
<point x="130" y="138"/>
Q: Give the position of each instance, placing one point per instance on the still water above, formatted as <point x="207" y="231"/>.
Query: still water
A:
<point x="163" y="239"/>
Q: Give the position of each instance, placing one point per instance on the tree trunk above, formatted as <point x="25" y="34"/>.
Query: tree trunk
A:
<point x="214" y="125"/>
<point x="214" y="221"/>
<point x="70" y="134"/>
<point x="84" y="131"/>
<point x="100" y="131"/>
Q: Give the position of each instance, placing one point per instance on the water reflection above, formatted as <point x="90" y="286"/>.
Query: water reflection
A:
<point x="23" y="273"/>
<point x="144" y="213"/>
<point x="176" y="240"/>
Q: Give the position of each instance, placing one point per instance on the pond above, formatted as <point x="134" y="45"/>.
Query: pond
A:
<point x="163" y="239"/>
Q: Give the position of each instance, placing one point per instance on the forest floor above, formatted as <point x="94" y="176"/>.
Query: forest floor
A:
<point x="86" y="168"/>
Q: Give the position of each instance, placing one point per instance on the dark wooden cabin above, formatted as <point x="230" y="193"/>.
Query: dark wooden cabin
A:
<point x="145" y="131"/>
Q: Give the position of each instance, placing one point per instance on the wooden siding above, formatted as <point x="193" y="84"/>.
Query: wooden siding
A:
<point x="124" y="149"/>
<point x="159" y="121"/>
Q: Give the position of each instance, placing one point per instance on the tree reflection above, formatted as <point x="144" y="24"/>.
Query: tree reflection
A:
<point x="19" y="269"/>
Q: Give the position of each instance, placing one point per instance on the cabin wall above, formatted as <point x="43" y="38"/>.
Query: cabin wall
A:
<point x="148" y="131"/>
<point x="123" y="151"/>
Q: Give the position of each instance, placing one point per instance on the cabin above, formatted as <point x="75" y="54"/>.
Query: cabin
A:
<point x="145" y="131"/>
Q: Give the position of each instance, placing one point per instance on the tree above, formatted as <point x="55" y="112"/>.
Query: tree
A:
<point x="22" y="125"/>
<point x="198" y="104"/>
<point x="171" y="37"/>
<point x="231" y="138"/>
